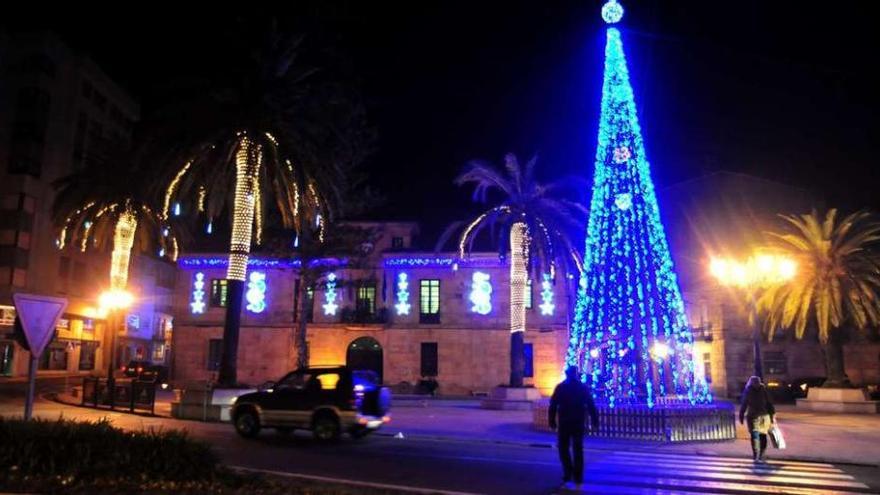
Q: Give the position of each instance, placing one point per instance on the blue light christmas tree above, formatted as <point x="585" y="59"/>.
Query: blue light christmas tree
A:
<point x="630" y="335"/>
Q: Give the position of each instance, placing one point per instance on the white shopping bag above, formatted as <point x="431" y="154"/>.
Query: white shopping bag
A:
<point x="776" y="436"/>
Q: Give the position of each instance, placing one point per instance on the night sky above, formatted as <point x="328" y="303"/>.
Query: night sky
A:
<point x="782" y="90"/>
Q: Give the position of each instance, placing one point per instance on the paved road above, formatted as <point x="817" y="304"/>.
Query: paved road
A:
<point x="482" y="467"/>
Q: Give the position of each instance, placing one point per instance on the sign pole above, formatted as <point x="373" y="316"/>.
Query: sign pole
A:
<point x="38" y="316"/>
<point x="32" y="382"/>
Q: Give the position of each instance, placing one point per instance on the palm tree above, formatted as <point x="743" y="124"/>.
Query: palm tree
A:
<point x="837" y="285"/>
<point x="279" y="131"/>
<point x="532" y="221"/>
<point x="105" y="205"/>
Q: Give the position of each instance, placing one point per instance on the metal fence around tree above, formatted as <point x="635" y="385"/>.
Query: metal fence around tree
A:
<point x="133" y="395"/>
<point x="665" y="422"/>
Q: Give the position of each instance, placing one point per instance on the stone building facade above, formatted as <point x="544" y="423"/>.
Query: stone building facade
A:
<point x="408" y="316"/>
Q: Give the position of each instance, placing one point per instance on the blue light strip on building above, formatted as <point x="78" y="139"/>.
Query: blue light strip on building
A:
<point x="450" y="262"/>
<point x="220" y="262"/>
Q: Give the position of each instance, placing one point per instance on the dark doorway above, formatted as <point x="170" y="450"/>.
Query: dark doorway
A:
<point x="365" y="353"/>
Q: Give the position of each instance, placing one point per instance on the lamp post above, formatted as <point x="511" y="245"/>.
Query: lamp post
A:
<point x="112" y="302"/>
<point x="758" y="272"/>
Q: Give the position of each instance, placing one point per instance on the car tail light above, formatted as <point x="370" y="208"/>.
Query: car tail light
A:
<point x="386" y="419"/>
<point x="140" y="369"/>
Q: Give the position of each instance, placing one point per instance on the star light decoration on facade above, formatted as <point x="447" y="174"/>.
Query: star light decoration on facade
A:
<point x="547" y="306"/>
<point x="198" y="295"/>
<point x="256" y="293"/>
<point x="330" y="305"/>
<point x="403" y="304"/>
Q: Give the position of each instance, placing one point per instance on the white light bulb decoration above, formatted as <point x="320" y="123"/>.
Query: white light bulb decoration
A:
<point x="198" y="294"/>
<point x="481" y="293"/>
<point x="612" y="12"/>
<point x="256" y="293"/>
<point x="402" y="306"/>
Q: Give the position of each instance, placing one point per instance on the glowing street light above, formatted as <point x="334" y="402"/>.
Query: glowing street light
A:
<point x="659" y="351"/>
<point x="759" y="271"/>
<point x="111" y="303"/>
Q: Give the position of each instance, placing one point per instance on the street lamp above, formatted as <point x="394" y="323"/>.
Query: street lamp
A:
<point x="111" y="302"/>
<point x="759" y="271"/>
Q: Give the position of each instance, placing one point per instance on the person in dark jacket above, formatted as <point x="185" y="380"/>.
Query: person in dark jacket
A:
<point x="571" y="402"/>
<point x="757" y="408"/>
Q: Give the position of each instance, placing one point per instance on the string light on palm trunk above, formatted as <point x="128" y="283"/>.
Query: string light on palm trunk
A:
<point x="519" y="253"/>
<point x="248" y="159"/>
<point x="123" y="240"/>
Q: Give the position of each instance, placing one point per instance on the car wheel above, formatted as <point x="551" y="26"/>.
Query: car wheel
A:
<point x="325" y="428"/>
<point x="247" y="424"/>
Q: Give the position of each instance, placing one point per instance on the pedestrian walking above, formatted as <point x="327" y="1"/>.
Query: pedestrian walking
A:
<point x="570" y="404"/>
<point x="757" y="408"/>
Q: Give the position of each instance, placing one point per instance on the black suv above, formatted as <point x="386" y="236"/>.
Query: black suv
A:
<point x="326" y="400"/>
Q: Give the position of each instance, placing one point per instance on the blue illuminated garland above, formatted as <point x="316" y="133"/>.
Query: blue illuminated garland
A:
<point x="629" y="299"/>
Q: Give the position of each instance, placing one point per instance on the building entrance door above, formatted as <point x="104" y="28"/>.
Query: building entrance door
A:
<point x="365" y="353"/>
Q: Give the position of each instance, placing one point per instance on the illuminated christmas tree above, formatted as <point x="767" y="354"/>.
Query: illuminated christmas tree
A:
<point x="630" y="335"/>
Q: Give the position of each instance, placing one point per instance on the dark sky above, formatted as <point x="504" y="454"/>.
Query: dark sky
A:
<point x="778" y="89"/>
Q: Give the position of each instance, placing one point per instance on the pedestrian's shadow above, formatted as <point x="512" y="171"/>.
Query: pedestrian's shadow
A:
<point x="765" y="469"/>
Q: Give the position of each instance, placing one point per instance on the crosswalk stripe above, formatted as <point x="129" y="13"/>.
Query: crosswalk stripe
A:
<point x="667" y="482"/>
<point x="683" y="471"/>
<point x="756" y="469"/>
<point x="718" y="458"/>
<point x="709" y="462"/>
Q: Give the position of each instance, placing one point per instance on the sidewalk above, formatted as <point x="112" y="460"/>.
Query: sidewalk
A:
<point x="820" y="437"/>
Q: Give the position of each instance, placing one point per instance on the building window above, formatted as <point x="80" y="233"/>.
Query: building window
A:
<point x="774" y="363"/>
<point x="366" y="300"/>
<point x="528" y="361"/>
<point x="219" y="292"/>
<point x="54" y="357"/>
<point x="36" y="63"/>
<point x="429" y="301"/>
<point x="429" y="362"/>
<point x="215" y="350"/>
<point x="707" y="366"/>
<point x="397" y="243"/>
<point x="528" y="294"/>
<point x="87" y="355"/>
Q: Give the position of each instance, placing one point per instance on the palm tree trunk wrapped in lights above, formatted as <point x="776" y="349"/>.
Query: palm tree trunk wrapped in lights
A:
<point x="123" y="240"/>
<point x="519" y="253"/>
<point x="247" y="163"/>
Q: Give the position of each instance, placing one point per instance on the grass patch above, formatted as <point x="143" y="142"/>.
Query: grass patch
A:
<point x="65" y="456"/>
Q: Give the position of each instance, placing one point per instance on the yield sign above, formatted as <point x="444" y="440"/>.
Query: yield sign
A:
<point x="38" y="315"/>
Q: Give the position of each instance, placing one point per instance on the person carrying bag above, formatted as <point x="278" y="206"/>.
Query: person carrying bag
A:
<point x="756" y="406"/>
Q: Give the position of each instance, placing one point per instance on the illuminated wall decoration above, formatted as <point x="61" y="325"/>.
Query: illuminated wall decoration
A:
<point x="197" y="306"/>
<point x="629" y="298"/>
<point x="481" y="293"/>
<point x="547" y="306"/>
<point x="256" y="292"/>
<point x="330" y="305"/>
<point x="402" y="306"/>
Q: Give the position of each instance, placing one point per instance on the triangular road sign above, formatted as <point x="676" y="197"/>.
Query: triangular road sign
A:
<point x="39" y="315"/>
